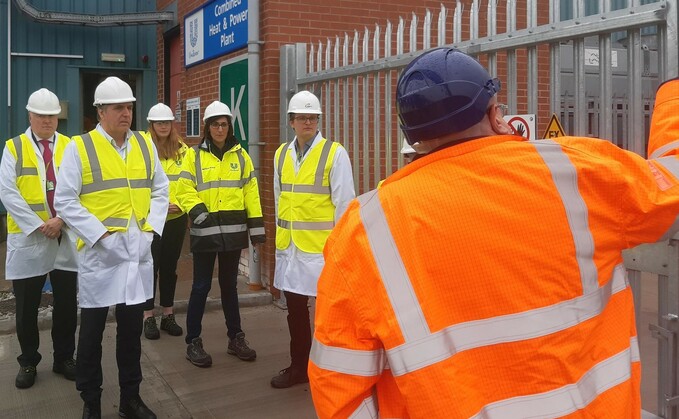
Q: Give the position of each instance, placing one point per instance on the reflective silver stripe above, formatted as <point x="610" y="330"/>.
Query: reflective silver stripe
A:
<point x="322" y="162"/>
<point x="37" y="207"/>
<point x="257" y="231"/>
<point x="664" y="149"/>
<point x="288" y="187"/>
<point x="670" y="163"/>
<point x="203" y="186"/>
<point x="140" y="183"/>
<point x="98" y="183"/>
<point x="439" y="346"/>
<point x="565" y="179"/>
<point x="91" y="152"/>
<point x="390" y="265"/>
<point x="211" y="231"/>
<point x="142" y="221"/>
<point x="103" y="185"/>
<point x="27" y="171"/>
<point x="241" y="161"/>
<point x="199" y="170"/>
<point x="281" y="159"/>
<point x="366" y="410"/>
<point x="348" y="361"/>
<point x="144" y="151"/>
<point x="18" y="167"/>
<point x="245" y="180"/>
<point x="115" y="222"/>
<point x="187" y="175"/>
<point x="569" y="398"/>
<point x="218" y="184"/>
<point x="634" y="349"/>
<point x="306" y="225"/>
<point x="173" y="177"/>
<point x="317" y="187"/>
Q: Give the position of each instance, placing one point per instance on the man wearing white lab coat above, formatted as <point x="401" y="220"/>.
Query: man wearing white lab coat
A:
<point x="38" y="241"/>
<point x="313" y="185"/>
<point x="114" y="194"/>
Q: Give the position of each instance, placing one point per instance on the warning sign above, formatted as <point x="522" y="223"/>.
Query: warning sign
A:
<point x="523" y="125"/>
<point x="554" y="128"/>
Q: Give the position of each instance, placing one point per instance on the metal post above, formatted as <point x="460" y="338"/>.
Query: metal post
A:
<point x="254" y="44"/>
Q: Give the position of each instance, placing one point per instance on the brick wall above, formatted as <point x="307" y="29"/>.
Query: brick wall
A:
<point x="291" y="21"/>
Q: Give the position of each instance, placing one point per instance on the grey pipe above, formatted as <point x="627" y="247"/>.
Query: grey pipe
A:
<point x="254" y="110"/>
<point x="144" y="18"/>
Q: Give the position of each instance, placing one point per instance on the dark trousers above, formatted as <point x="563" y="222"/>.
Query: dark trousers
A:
<point x="28" y="293"/>
<point x="203" y="265"/>
<point x="300" y="330"/>
<point x="89" y="375"/>
<point x="166" y="251"/>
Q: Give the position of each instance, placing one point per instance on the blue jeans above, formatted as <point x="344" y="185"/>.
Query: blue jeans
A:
<point x="203" y="266"/>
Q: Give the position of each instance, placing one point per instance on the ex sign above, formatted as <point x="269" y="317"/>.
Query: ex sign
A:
<point x="554" y="128"/>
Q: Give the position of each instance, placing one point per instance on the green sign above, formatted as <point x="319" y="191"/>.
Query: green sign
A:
<point x="233" y="90"/>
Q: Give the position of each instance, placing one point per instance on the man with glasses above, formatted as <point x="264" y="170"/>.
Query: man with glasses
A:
<point x="313" y="185"/>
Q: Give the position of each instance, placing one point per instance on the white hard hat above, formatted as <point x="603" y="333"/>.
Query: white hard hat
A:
<point x="217" y="108"/>
<point x="43" y="102"/>
<point x="160" y="112"/>
<point x="305" y="102"/>
<point x="407" y="149"/>
<point x="113" y="90"/>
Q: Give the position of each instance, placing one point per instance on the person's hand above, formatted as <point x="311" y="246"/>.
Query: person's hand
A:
<point x="103" y="236"/>
<point x="173" y="209"/>
<point x="52" y="228"/>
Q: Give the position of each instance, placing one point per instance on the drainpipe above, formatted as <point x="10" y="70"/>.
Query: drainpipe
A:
<point x="142" y="18"/>
<point x="9" y="66"/>
<point x="254" y="112"/>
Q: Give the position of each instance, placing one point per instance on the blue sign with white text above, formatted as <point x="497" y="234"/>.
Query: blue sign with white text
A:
<point x="217" y="28"/>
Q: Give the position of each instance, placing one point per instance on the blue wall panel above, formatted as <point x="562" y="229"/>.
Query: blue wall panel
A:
<point x="63" y="75"/>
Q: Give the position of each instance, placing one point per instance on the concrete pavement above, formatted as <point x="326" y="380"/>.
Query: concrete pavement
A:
<point x="172" y="387"/>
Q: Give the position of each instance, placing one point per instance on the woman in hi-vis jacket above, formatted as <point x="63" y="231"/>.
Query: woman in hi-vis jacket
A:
<point x="219" y="191"/>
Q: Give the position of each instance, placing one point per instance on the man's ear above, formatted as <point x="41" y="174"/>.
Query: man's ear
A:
<point x="500" y="126"/>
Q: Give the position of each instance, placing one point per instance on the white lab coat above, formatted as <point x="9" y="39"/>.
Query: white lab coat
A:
<point x="30" y="253"/>
<point x="119" y="268"/>
<point x="298" y="271"/>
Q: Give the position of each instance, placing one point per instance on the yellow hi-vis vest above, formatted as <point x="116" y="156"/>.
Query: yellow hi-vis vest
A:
<point x="112" y="190"/>
<point x="306" y="213"/>
<point x="28" y="182"/>
<point x="173" y="169"/>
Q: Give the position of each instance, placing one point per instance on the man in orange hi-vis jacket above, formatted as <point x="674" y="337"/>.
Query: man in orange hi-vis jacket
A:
<point x="485" y="279"/>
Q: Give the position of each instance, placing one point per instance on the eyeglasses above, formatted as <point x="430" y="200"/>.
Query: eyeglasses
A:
<point x="217" y="125"/>
<point x="305" y="119"/>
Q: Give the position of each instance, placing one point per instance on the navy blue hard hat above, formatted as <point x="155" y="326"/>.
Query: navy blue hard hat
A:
<point x="441" y="92"/>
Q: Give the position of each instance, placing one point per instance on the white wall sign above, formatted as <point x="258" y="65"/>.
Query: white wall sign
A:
<point x="193" y="117"/>
<point x="523" y="125"/>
